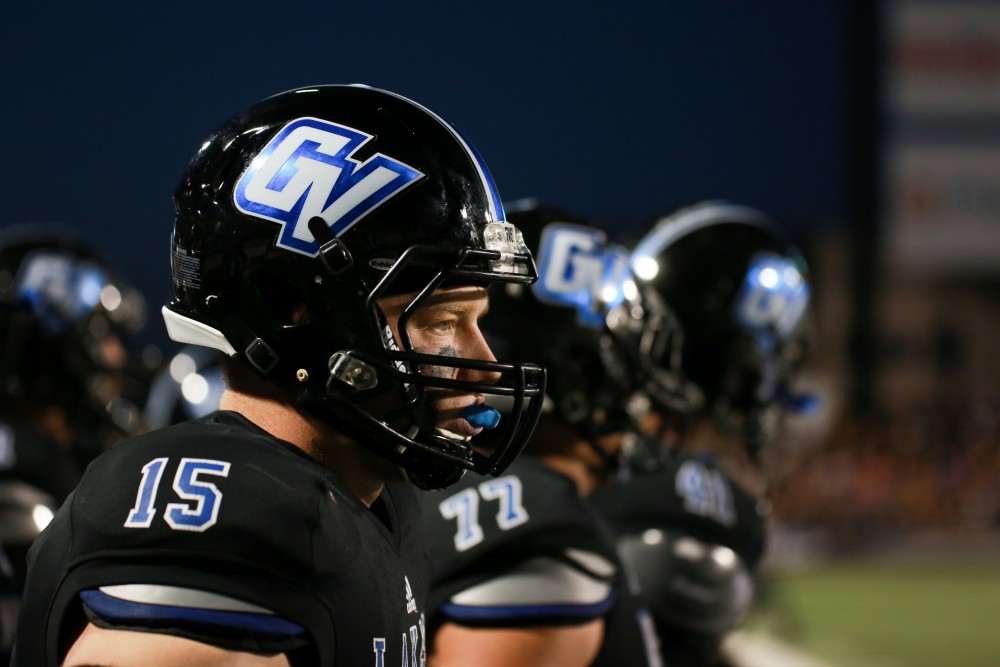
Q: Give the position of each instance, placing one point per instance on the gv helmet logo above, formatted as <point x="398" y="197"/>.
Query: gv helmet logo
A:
<point x="578" y="268"/>
<point x="307" y="170"/>
<point x="772" y="299"/>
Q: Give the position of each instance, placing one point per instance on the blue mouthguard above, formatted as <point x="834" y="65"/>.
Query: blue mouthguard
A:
<point x="481" y="415"/>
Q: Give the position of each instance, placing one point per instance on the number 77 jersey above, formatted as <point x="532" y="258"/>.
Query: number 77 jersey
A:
<point x="214" y="530"/>
<point x="525" y="550"/>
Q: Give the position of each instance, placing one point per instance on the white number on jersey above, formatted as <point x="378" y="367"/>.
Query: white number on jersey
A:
<point x="464" y="506"/>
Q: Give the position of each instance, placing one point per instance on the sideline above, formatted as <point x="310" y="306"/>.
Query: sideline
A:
<point x="757" y="649"/>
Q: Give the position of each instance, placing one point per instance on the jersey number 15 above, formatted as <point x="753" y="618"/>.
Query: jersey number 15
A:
<point x="201" y="509"/>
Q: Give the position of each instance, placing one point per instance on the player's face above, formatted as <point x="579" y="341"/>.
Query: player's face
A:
<point x="447" y="324"/>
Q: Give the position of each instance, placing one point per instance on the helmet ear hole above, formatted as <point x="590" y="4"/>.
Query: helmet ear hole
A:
<point x="288" y="303"/>
<point x="301" y="314"/>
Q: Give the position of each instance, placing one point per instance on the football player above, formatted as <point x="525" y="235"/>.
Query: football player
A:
<point x="524" y="572"/>
<point x="69" y="383"/>
<point x="693" y="539"/>
<point x="692" y="524"/>
<point x="334" y="243"/>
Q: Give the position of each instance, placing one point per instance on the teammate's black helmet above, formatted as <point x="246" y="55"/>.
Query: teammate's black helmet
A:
<point x="740" y="290"/>
<point x="562" y="320"/>
<point x="60" y="305"/>
<point x="322" y="200"/>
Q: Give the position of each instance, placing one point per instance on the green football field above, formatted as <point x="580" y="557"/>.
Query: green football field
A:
<point x="887" y="615"/>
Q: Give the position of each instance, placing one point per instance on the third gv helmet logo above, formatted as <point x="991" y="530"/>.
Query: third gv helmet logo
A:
<point x="773" y="297"/>
<point x="307" y="170"/>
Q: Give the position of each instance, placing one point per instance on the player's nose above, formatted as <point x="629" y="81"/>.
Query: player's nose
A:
<point x="480" y="350"/>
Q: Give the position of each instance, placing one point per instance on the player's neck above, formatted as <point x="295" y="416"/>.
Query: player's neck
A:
<point x="574" y="468"/>
<point x="353" y="464"/>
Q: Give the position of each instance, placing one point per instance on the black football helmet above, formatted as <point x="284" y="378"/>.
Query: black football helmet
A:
<point x="60" y="305"/>
<point x="563" y="320"/>
<point x="331" y="197"/>
<point x="740" y="292"/>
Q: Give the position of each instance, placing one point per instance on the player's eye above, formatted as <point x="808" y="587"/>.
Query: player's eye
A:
<point x="443" y="326"/>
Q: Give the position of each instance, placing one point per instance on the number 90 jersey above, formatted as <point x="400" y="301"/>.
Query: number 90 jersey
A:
<point x="216" y="531"/>
<point x="694" y="539"/>
<point x="524" y="550"/>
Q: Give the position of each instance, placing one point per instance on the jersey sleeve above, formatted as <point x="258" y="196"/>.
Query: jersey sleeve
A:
<point x="521" y="550"/>
<point x="538" y="591"/>
<point x="195" y="614"/>
<point x="193" y="531"/>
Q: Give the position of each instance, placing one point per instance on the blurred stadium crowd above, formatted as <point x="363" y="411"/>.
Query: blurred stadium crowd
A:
<point x="925" y="468"/>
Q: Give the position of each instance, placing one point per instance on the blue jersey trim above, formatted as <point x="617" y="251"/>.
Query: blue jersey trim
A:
<point x="117" y="610"/>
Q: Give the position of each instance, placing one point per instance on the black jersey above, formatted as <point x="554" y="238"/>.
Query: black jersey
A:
<point x="692" y="538"/>
<point x="690" y="496"/>
<point x="524" y="550"/>
<point x="217" y="531"/>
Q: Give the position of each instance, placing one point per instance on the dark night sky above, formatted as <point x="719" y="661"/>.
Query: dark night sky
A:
<point x="619" y="111"/>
